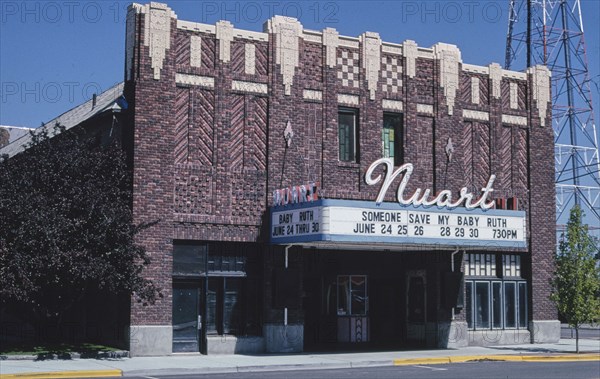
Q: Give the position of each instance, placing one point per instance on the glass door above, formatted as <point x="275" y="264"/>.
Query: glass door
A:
<point x="187" y="319"/>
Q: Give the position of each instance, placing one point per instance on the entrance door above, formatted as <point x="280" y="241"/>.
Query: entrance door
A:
<point x="187" y="317"/>
<point x="416" y="307"/>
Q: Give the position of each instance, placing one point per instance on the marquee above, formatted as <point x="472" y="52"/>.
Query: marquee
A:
<point x="362" y="222"/>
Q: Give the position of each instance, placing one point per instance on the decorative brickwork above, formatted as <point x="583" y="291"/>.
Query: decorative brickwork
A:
<point x="476" y="115"/>
<point x="410" y="53"/>
<point x="237" y="62"/>
<point x="312" y="62"/>
<point x="183" y="50"/>
<point x="449" y="57"/>
<point x="475" y="90"/>
<point x="195" y="80"/>
<point x="541" y="90"/>
<point x="209" y="52"/>
<point x="466" y="148"/>
<point x="201" y="128"/>
<point x="348" y="68"/>
<point x="195" y="50"/>
<point x="250" y="59"/>
<point x="495" y="79"/>
<point x="331" y="43"/>
<point x="481" y="155"/>
<point x="262" y="59"/>
<point x="193" y="193"/>
<point x="182" y="121"/>
<point x="286" y="32"/>
<point x="392" y="105"/>
<point x="504" y="143"/>
<point x="312" y="95"/>
<point x="246" y="204"/>
<point x="371" y="55"/>
<point x="391" y="74"/>
<point x="157" y="33"/>
<point x="224" y="33"/>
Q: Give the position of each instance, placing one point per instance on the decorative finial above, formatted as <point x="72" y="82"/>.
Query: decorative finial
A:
<point x="288" y="134"/>
<point x="449" y="149"/>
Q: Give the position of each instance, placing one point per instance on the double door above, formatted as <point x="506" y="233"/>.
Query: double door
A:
<point x="209" y="306"/>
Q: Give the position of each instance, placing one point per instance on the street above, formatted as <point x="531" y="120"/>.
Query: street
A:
<point x="485" y="369"/>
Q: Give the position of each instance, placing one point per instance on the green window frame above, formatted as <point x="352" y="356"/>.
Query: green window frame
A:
<point x="393" y="137"/>
<point x="348" y="134"/>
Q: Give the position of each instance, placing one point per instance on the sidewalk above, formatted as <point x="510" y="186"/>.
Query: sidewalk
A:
<point x="196" y="364"/>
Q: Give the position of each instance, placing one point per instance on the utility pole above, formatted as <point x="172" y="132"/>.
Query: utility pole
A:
<point x="550" y="32"/>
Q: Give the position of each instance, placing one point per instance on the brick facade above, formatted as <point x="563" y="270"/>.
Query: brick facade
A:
<point x="209" y="105"/>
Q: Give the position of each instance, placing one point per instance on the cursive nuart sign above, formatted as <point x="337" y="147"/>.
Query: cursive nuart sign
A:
<point x="424" y="197"/>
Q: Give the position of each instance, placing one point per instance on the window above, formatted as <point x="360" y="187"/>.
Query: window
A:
<point x="189" y="260"/>
<point x="495" y="303"/>
<point x="480" y="265"/>
<point x="482" y="305"/>
<point x="226" y="306"/>
<point x="509" y="305"/>
<point x="348" y="134"/>
<point x="522" y="304"/>
<point x="511" y="264"/>
<point x="232" y="307"/>
<point x="393" y="137"/>
<point x="352" y="295"/>
<point x="228" y="300"/>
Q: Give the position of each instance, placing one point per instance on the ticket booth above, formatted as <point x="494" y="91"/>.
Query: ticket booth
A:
<point x="352" y="308"/>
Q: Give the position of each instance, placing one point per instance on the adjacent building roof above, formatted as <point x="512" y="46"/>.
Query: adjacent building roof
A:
<point x="10" y="133"/>
<point x="109" y="100"/>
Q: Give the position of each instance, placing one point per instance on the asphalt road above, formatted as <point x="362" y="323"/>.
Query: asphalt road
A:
<point x="479" y="370"/>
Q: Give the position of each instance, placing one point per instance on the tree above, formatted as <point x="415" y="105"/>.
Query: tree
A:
<point x="577" y="279"/>
<point x="66" y="225"/>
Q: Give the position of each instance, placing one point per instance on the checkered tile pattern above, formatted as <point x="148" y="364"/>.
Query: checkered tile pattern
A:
<point x="391" y="73"/>
<point x="348" y="69"/>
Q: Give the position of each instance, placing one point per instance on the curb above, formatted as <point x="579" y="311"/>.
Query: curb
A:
<point x="63" y="374"/>
<point x="250" y="369"/>
<point x="586" y="357"/>
<point x="511" y="358"/>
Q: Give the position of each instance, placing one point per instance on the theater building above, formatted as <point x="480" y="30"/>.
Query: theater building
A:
<point x="316" y="191"/>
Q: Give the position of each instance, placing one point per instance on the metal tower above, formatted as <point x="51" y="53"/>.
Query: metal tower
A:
<point x="550" y="32"/>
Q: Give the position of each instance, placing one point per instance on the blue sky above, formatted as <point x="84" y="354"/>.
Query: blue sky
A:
<point x="56" y="54"/>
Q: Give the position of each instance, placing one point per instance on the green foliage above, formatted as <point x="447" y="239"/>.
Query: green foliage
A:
<point x="66" y="224"/>
<point x="41" y="351"/>
<point x="576" y="284"/>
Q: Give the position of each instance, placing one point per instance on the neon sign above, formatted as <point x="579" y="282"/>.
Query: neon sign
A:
<point x="296" y="194"/>
<point x="424" y="197"/>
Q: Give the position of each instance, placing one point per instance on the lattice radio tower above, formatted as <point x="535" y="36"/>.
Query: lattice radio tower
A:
<point x="550" y="32"/>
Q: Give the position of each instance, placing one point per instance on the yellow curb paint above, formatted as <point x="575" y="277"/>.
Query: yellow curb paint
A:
<point x="421" y="361"/>
<point x="63" y="374"/>
<point x="562" y="358"/>
<point x="508" y="358"/>
<point x="468" y="358"/>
